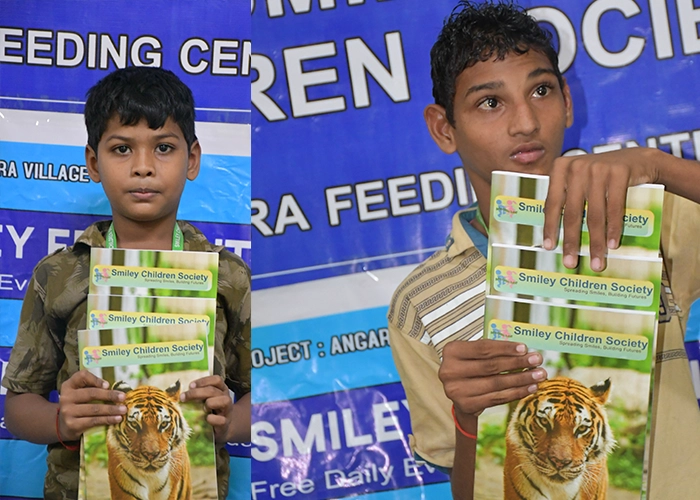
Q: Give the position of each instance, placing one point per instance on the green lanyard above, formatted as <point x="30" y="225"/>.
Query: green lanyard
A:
<point x="480" y="218"/>
<point x="178" y="239"/>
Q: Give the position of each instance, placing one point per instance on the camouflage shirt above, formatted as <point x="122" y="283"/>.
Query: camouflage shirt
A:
<point x="45" y="353"/>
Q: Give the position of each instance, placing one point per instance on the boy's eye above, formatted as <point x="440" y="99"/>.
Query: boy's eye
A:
<point x="489" y="103"/>
<point x="122" y="150"/>
<point x="164" y="148"/>
<point x="542" y="90"/>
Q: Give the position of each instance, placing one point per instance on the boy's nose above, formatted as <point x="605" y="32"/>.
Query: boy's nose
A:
<point x="143" y="165"/>
<point x="524" y="120"/>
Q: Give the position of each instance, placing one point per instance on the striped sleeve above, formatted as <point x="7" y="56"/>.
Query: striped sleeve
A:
<point x="442" y="300"/>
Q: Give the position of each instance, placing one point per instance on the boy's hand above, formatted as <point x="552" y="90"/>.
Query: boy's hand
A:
<point x="602" y="181"/>
<point x="216" y="397"/>
<point x="78" y="409"/>
<point x="474" y="376"/>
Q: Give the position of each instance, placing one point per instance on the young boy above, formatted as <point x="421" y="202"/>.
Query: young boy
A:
<point x="142" y="148"/>
<point x="501" y="103"/>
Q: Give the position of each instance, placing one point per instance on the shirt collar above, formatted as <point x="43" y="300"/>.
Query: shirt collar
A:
<point x="195" y="241"/>
<point x="465" y="236"/>
<point x="94" y="235"/>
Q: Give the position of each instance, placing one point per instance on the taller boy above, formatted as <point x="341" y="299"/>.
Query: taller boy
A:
<point x="142" y="148"/>
<point x="501" y="103"/>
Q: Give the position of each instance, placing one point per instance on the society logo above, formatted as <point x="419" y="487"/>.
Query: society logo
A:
<point x="508" y="279"/>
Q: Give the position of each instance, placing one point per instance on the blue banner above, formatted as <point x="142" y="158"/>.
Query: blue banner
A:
<point x="335" y="345"/>
<point x="4" y="358"/>
<point x="340" y="90"/>
<point x="33" y="171"/>
<point x="343" y="444"/>
<point x="48" y="64"/>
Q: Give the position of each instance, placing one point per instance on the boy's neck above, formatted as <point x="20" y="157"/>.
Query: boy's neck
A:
<point x="152" y="235"/>
<point x="477" y="223"/>
<point x="483" y="200"/>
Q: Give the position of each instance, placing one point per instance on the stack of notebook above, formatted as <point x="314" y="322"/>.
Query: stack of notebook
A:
<point x="150" y="333"/>
<point x="585" y="432"/>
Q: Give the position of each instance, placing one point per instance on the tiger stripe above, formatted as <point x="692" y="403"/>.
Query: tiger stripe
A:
<point x="536" y="468"/>
<point x="147" y="452"/>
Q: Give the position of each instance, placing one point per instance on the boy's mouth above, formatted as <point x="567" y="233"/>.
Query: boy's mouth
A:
<point x="143" y="193"/>
<point x="527" y="153"/>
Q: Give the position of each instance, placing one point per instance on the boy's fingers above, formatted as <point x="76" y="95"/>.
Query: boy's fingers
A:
<point x="87" y="394"/>
<point x="478" y="377"/>
<point x="498" y="383"/>
<point x="201" y="393"/>
<point x="216" y="420"/>
<point x="477" y="404"/>
<point x="218" y="403"/>
<point x="116" y="397"/>
<point x="84" y="378"/>
<point x="211" y="380"/>
<point x="495" y="366"/>
<point x="617" y="199"/>
<point x="97" y="410"/>
<point x="475" y="387"/>
<point x="573" y="220"/>
<point x="596" y="219"/>
<point x="553" y="205"/>
<point x="90" y="422"/>
<point x="482" y="349"/>
<point x="79" y="418"/>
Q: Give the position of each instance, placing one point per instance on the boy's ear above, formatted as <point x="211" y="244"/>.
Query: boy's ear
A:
<point x="569" y="103"/>
<point x="91" y="164"/>
<point x="193" y="160"/>
<point x="440" y="129"/>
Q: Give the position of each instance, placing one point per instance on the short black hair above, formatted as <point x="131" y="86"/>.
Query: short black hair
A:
<point x="137" y="93"/>
<point x="479" y="32"/>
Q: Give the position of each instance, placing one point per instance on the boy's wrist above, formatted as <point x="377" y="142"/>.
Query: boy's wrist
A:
<point x="63" y="435"/>
<point x="657" y="160"/>
<point x="467" y="422"/>
<point x="667" y="168"/>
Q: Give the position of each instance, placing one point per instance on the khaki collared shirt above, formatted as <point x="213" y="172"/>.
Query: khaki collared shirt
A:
<point x="440" y="301"/>
<point x="45" y="353"/>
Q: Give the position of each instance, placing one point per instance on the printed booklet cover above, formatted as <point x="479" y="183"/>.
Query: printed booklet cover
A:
<point x="131" y="311"/>
<point x="584" y="433"/>
<point x="162" y="448"/>
<point x="538" y="274"/>
<point x="153" y="273"/>
<point x="517" y="215"/>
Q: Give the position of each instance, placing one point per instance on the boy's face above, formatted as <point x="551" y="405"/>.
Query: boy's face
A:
<point x="143" y="171"/>
<point x="509" y="115"/>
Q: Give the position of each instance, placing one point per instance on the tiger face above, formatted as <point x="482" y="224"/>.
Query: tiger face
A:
<point x="562" y="430"/>
<point x="153" y="428"/>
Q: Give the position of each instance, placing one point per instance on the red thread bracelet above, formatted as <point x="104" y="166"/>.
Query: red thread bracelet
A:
<point x="69" y="447"/>
<point x="459" y="427"/>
